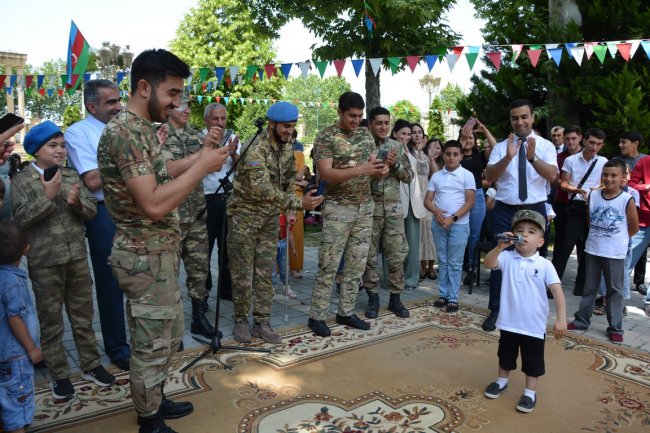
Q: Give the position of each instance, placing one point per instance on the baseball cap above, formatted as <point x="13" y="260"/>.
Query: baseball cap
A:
<point x="529" y="215"/>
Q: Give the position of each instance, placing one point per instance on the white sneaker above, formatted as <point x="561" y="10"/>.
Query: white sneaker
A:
<point x="291" y="293"/>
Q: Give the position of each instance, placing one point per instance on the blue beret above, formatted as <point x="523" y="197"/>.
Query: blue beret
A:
<point x="282" y="112"/>
<point x="39" y="135"/>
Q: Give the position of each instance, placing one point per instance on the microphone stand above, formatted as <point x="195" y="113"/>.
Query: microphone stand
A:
<point x="214" y="345"/>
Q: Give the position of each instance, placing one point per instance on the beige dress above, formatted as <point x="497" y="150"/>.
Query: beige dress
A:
<point x="427" y="248"/>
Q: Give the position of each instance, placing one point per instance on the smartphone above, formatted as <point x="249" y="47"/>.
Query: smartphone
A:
<point x="471" y="122"/>
<point x="382" y="155"/>
<point x="322" y="186"/>
<point x="226" y="137"/>
<point x="8" y="121"/>
<point x="49" y="172"/>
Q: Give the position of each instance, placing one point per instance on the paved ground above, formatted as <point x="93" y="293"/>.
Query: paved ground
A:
<point x="636" y="324"/>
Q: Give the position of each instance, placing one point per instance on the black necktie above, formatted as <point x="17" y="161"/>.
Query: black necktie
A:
<point x="523" y="187"/>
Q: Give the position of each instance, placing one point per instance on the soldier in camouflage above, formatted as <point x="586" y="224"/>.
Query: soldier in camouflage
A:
<point x="388" y="222"/>
<point x="263" y="187"/>
<point x="52" y="213"/>
<point x="183" y="140"/>
<point x="142" y="199"/>
<point x="345" y="158"/>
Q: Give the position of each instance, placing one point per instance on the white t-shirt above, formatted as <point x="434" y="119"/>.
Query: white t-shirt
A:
<point x="211" y="180"/>
<point x="577" y="166"/>
<point x="608" y="235"/>
<point x="523" y="306"/>
<point x="450" y="187"/>
<point x="82" y="140"/>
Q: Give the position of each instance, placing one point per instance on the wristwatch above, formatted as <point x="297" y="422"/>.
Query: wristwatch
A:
<point x="454" y="217"/>
<point x="534" y="159"/>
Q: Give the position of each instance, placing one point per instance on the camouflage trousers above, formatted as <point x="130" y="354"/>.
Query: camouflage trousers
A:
<point x="346" y="233"/>
<point x="194" y="254"/>
<point x="154" y="314"/>
<point x="55" y="286"/>
<point x="387" y="231"/>
<point x="252" y="248"/>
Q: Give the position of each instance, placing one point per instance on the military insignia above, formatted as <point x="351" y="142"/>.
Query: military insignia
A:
<point x="253" y="164"/>
<point x="36" y="176"/>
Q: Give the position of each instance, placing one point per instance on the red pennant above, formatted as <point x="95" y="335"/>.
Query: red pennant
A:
<point x="228" y="81"/>
<point x="270" y="69"/>
<point x="495" y="58"/>
<point x="217" y="98"/>
<point x="41" y="91"/>
<point x="339" y="65"/>
<point x="60" y="92"/>
<point x="534" y="56"/>
<point x="458" y="50"/>
<point x="28" y="81"/>
<point x="624" y="49"/>
<point x="2" y="80"/>
<point x="412" y="62"/>
<point x="204" y="86"/>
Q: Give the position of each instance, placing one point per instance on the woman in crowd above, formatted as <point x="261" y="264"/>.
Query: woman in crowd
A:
<point x="433" y="152"/>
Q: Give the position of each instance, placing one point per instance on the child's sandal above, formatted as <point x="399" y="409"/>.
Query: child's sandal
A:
<point x="441" y="302"/>
<point x="452" y="307"/>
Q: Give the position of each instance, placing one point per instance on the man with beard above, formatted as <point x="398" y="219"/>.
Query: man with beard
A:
<point x="102" y="101"/>
<point x="142" y="199"/>
<point x="263" y="187"/>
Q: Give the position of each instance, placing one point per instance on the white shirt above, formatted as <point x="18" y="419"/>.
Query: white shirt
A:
<point x="508" y="183"/>
<point x="577" y="166"/>
<point x="410" y="193"/>
<point x="523" y="305"/>
<point x="450" y="187"/>
<point x="211" y="180"/>
<point x="608" y="235"/>
<point x="82" y="139"/>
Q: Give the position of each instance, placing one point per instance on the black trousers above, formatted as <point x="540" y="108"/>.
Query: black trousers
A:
<point x="216" y="216"/>
<point x="574" y="235"/>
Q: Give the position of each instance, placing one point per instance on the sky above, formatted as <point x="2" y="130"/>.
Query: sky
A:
<point x="145" y="24"/>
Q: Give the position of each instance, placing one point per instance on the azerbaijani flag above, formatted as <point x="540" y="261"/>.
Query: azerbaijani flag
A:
<point x="77" y="58"/>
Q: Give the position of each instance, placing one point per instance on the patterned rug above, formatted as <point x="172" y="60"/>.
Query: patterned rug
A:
<point x="422" y="374"/>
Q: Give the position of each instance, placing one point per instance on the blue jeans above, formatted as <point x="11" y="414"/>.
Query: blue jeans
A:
<point x="640" y="242"/>
<point x="476" y="217"/>
<point x="110" y="298"/>
<point x="16" y="393"/>
<point x="450" y="247"/>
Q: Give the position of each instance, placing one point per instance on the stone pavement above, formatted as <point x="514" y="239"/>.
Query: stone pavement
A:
<point x="296" y="312"/>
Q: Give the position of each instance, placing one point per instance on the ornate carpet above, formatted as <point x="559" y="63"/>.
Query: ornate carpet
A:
<point x="422" y="374"/>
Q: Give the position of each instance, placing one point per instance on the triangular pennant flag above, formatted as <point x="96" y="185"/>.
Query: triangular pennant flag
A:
<point x="29" y="91"/>
<point x="39" y="81"/>
<point x="393" y="63"/>
<point x="634" y="46"/>
<point x="646" y="47"/>
<point x="210" y="86"/>
<point x="589" y="49"/>
<point x="197" y="86"/>
<point x="431" y="60"/>
<point x="2" y="80"/>
<point x="209" y="99"/>
<point x="471" y="59"/>
<point x="41" y="91"/>
<point x="251" y="70"/>
<point x="234" y="70"/>
<point x="270" y="69"/>
<point x="219" y="72"/>
<point x="534" y="56"/>
<point x="534" y="47"/>
<point x="555" y="54"/>
<point x="624" y="49"/>
<point x="375" y="63"/>
<point x="611" y="47"/>
<point x="474" y="48"/>
<point x="188" y="89"/>
<point x="451" y="61"/>
<point x="120" y="77"/>
<point x="356" y="64"/>
<point x="204" y="86"/>
<point x="50" y="92"/>
<point x="577" y="53"/>
<point x="551" y="46"/>
<point x="339" y="65"/>
<point x="250" y="100"/>
<point x="568" y="46"/>
<point x="13" y="79"/>
<point x="19" y="80"/>
<point x="286" y="69"/>
<point x="601" y="52"/>
<point x="260" y="74"/>
<point x="203" y="74"/>
<point x="495" y="58"/>
<point x="516" y="50"/>
<point x="304" y="68"/>
<point x="217" y="99"/>
<point x="192" y="74"/>
<point x="321" y="66"/>
<point x="226" y="99"/>
<point x="412" y="61"/>
<point x="199" y="99"/>
<point x="241" y="100"/>
<point x="29" y="79"/>
<point x="458" y="50"/>
<point x="60" y="92"/>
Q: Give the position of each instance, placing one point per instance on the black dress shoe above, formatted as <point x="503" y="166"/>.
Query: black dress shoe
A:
<point x="123" y="363"/>
<point x="353" y="322"/>
<point x="319" y="327"/>
<point x="641" y="289"/>
<point x="490" y="324"/>
<point x="172" y="409"/>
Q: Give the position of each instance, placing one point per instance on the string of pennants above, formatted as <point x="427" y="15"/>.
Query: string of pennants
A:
<point x="211" y="78"/>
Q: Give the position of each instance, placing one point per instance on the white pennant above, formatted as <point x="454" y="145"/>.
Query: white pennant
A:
<point x="612" y="48"/>
<point x="577" y="53"/>
<point x="451" y="61"/>
<point x="304" y="68"/>
<point x="516" y="49"/>
<point x="234" y="70"/>
<point x="635" y="45"/>
<point x="589" y="49"/>
<point x="375" y="64"/>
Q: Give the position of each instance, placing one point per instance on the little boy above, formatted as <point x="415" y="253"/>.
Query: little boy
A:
<point x="613" y="220"/>
<point x="18" y="332"/>
<point x="52" y="213"/>
<point x="524" y="305"/>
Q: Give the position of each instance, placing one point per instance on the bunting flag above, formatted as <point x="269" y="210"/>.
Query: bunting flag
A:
<point x="28" y="81"/>
<point x="357" y="64"/>
<point x="77" y="59"/>
<point x="516" y="50"/>
<point x="368" y="19"/>
<point x="286" y="69"/>
<point x="533" y="55"/>
<point x="304" y="68"/>
<point x="601" y="52"/>
<point x="339" y="65"/>
<point x="624" y="49"/>
<point x="375" y="63"/>
<point x="219" y="71"/>
<point x="431" y="60"/>
<point x="471" y="59"/>
<point x="412" y="61"/>
<point x="120" y="77"/>
<point x="2" y="80"/>
<point x="577" y="53"/>
<point x="39" y="81"/>
<point x="646" y="47"/>
<point x="451" y="61"/>
<point x="555" y="54"/>
<point x="495" y="58"/>
<point x="393" y="63"/>
<point x="589" y="49"/>
<point x="251" y="70"/>
<point x="321" y="66"/>
<point x="269" y="68"/>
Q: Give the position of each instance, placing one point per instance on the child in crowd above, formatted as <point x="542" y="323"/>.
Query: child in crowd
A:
<point x="450" y="196"/>
<point x="281" y="258"/>
<point x="19" y="333"/>
<point x="524" y="306"/>
<point x="52" y="213"/>
<point x="613" y="220"/>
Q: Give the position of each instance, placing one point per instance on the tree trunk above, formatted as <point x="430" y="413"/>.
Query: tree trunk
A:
<point x="373" y="98"/>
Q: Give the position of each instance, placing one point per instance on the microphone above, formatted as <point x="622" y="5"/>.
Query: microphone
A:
<point x="503" y="237"/>
<point x="259" y="123"/>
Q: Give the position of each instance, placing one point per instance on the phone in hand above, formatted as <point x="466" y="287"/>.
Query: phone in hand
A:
<point x="471" y="122"/>
<point x="382" y="155"/>
<point x="8" y="121"/>
<point x="322" y="186"/>
<point x="226" y="137"/>
<point x="49" y="172"/>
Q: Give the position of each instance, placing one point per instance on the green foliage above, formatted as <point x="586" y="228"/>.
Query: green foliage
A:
<point x="404" y="109"/>
<point x="318" y="94"/>
<point x="436" y="128"/>
<point x="46" y="107"/>
<point x="449" y="99"/>
<point x="71" y="115"/>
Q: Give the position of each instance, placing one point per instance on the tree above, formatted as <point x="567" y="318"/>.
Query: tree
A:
<point x="317" y="95"/>
<point x="49" y="107"/>
<point x="71" y="115"/>
<point x="414" y="27"/>
<point x="449" y="99"/>
<point x="405" y="110"/>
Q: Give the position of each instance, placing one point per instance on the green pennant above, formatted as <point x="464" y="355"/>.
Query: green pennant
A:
<point x="64" y="79"/>
<point x="471" y="59"/>
<point x="321" y="67"/>
<point x="250" y="71"/>
<point x="601" y="52"/>
<point x="209" y="99"/>
<point x="394" y="63"/>
<point x="29" y="90"/>
<point x="203" y="73"/>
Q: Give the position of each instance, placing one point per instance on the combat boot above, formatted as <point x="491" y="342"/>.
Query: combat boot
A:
<point x="154" y="424"/>
<point x="372" y="310"/>
<point x="241" y="332"/>
<point x="200" y="324"/>
<point x="396" y="306"/>
<point x="264" y="331"/>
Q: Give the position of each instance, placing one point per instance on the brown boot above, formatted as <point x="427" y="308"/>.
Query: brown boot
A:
<point x="265" y="332"/>
<point x="241" y="332"/>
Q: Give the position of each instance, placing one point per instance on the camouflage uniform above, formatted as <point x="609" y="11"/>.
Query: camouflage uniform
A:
<point x="388" y="222"/>
<point x="58" y="265"/>
<point x="347" y="220"/>
<point x="180" y="144"/>
<point x="144" y="255"/>
<point x="263" y="187"/>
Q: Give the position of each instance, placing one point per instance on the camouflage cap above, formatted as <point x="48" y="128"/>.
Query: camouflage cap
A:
<point x="529" y="215"/>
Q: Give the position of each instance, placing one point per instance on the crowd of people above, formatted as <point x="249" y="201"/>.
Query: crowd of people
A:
<point x="148" y="190"/>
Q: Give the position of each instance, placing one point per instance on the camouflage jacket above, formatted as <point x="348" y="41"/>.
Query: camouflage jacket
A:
<point x="55" y="230"/>
<point x="385" y="191"/>
<point x="129" y="148"/>
<point x="180" y="144"/>
<point x="346" y="149"/>
<point x="265" y="177"/>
